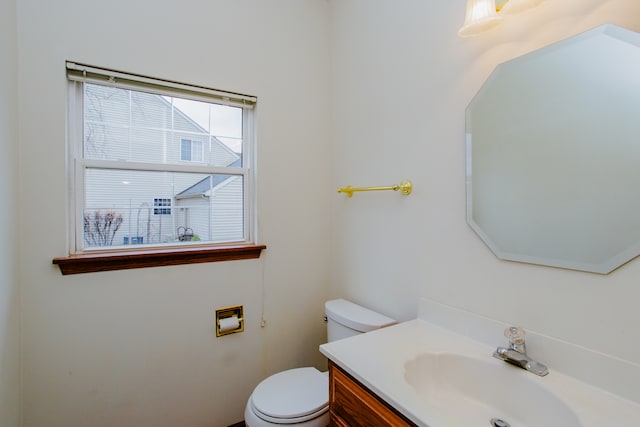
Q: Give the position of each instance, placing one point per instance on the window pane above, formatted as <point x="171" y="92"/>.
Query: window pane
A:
<point x="146" y="145"/>
<point x="161" y="206"/>
<point x="105" y="142"/>
<point x="226" y="124"/>
<point x="143" y="207"/>
<point x="128" y="125"/>
<point x="185" y="150"/>
<point x="196" y="151"/>
<point x="149" y="111"/>
<point x="188" y="113"/>
<point x="104" y="105"/>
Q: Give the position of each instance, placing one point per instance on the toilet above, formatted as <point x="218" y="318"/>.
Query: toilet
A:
<point x="301" y="396"/>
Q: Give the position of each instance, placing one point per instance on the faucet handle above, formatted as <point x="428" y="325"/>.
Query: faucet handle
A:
<point x="515" y="335"/>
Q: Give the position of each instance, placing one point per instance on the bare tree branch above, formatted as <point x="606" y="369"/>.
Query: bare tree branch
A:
<point x="100" y="228"/>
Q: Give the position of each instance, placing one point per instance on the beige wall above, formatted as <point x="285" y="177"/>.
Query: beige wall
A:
<point x="9" y="296"/>
<point x="404" y="79"/>
<point x="137" y="347"/>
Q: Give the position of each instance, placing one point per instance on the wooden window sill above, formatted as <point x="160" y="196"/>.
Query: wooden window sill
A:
<point x="90" y="263"/>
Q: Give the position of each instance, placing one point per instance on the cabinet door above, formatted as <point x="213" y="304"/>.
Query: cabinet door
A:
<point x="352" y="405"/>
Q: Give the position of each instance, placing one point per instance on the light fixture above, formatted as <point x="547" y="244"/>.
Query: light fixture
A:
<point x="516" y="6"/>
<point x="481" y="15"/>
<point x="485" y="14"/>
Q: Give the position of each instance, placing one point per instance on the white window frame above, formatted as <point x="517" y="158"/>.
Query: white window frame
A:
<point x="77" y="75"/>
<point x="191" y="150"/>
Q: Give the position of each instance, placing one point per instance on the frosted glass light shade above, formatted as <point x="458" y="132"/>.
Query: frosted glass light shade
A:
<point x="481" y="15"/>
<point x="516" y="6"/>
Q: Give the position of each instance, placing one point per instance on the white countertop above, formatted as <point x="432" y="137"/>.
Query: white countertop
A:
<point x="377" y="359"/>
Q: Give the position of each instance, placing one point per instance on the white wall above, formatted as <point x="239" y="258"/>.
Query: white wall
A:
<point x="9" y="295"/>
<point x="404" y="79"/>
<point x="137" y="347"/>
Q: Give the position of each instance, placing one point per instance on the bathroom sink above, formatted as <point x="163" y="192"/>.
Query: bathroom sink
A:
<point x="465" y="391"/>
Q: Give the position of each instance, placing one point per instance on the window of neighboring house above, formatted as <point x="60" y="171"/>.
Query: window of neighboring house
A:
<point x="162" y="206"/>
<point x="191" y="151"/>
<point x="129" y="138"/>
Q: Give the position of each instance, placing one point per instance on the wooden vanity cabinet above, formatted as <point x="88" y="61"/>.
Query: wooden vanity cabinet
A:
<point x="352" y="405"/>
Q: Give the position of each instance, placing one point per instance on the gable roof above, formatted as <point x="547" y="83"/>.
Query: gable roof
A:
<point x="197" y="127"/>
<point x="202" y="187"/>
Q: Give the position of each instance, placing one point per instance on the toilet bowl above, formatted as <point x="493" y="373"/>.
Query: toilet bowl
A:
<point x="301" y="396"/>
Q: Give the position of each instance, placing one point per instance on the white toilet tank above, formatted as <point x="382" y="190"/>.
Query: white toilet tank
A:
<point x="345" y="319"/>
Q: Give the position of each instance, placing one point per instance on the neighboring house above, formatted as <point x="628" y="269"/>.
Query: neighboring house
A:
<point x="156" y="207"/>
<point x="214" y="203"/>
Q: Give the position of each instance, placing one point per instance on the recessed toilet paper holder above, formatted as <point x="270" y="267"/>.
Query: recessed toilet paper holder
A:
<point x="229" y="320"/>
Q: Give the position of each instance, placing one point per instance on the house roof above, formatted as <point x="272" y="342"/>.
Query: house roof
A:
<point x="195" y="124"/>
<point x="203" y="186"/>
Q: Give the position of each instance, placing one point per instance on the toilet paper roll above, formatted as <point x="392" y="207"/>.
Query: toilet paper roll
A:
<point x="228" y="324"/>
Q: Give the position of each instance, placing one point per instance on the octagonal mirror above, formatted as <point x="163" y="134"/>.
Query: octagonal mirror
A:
<point x="553" y="154"/>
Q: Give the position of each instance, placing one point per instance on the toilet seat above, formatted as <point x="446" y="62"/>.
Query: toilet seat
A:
<point x="292" y="396"/>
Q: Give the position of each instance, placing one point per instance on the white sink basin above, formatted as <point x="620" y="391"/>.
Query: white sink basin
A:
<point x="472" y="392"/>
<point x="440" y="378"/>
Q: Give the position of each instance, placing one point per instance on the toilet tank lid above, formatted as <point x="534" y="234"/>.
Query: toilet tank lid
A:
<point x="355" y="316"/>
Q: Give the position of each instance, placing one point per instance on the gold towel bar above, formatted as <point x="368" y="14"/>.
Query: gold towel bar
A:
<point x="405" y="188"/>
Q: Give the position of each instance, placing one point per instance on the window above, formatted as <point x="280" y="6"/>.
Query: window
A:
<point x="190" y="151"/>
<point x="129" y="138"/>
<point x="162" y="206"/>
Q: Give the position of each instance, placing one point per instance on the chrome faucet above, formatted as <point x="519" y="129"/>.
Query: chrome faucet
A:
<point x="516" y="353"/>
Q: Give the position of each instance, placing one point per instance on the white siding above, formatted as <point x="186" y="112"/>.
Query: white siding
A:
<point x="194" y="213"/>
<point x="141" y="127"/>
<point x="226" y="209"/>
<point x="218" y="216"/>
